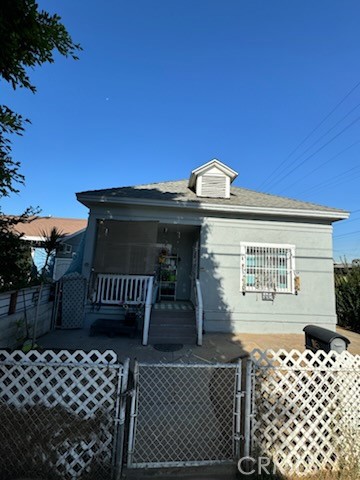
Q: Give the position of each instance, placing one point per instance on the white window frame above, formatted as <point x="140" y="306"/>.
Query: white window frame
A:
<point x="264" y="251"/>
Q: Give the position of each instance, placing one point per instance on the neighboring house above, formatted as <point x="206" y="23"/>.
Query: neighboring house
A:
<point x="344" y="267"/>
<point x="73" y="230"/>
<point x="260" y="263"/>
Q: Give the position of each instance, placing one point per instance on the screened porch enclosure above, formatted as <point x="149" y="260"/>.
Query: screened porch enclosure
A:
<point x="127" y="253"/>
<point x="127" y="248"/>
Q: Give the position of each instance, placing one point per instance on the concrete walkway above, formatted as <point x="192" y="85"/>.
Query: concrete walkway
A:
<point x="215" y="472"/>
<point x="217" y="347"/>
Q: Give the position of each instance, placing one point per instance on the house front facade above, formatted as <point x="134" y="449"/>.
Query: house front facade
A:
<point x="247" y="262"/>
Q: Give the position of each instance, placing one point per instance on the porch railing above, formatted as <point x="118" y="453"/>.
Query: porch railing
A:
<point x="148" y="305"/>
<point x="115" y="289"/>
<point x="199" y="309"/>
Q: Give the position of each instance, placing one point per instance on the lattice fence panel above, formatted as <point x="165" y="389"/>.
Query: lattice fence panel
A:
<point x="306" y="409"/>
<point x="73" y="300"/>
<point x="57" y="414"/>
<point x="185" y="414"/>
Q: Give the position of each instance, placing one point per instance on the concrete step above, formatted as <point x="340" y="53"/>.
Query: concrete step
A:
<point x="172" y="313"/>
<point x="177" y="305"/>
<point x="172" y="326"/>
<point x="176" y="317"/>
<point x="172" y="321"/>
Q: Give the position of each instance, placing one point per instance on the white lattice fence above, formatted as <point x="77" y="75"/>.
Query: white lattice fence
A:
<point x="58" y="413"/>
<point x="306" y="409"/>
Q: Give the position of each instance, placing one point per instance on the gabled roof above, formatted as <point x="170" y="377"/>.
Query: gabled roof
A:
<point x="33" y="229"/>
<point x="229" y="172"/>
<point x="177" y="194"/>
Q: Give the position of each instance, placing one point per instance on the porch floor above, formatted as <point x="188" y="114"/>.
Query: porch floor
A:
<point x="217" y="347"/>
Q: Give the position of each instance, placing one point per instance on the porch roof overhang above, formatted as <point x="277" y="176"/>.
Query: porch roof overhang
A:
<point x="326" y="214"/>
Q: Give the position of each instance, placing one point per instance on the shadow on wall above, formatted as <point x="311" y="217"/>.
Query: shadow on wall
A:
<point x="217" y="308"/>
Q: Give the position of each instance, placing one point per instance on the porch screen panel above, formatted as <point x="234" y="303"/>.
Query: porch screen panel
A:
<point x="126" y="247"/>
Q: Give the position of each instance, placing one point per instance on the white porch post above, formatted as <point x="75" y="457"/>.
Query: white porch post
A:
<point x="148" y="305"/>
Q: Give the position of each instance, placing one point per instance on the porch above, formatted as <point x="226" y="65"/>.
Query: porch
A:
<point x="130" y="304"/>
<point x="147" y="271"/>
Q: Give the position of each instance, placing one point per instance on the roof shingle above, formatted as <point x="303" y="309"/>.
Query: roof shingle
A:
<point x="37" y="225"/>
<point x="180" y="192"/>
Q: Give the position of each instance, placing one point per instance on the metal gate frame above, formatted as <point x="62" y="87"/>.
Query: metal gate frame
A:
<point x="120" y="418"/>
<point x="237" y="413"/>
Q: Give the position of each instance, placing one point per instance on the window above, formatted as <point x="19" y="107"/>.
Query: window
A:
<point x="65" y="248"/>
<point x="267" y="267"/>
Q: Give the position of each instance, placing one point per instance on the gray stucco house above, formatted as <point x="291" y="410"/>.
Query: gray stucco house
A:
<point x="203" y="255"/>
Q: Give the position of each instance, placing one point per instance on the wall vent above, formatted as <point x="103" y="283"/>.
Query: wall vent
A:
<point x="213" y="186"/>
<point x="213" y="180"/>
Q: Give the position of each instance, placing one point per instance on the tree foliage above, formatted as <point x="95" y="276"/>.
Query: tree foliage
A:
<point x="29" y="37"/>
<point x="16" y="268"/>
<point x="347" y="288"/>
<point x="10" y="123"/>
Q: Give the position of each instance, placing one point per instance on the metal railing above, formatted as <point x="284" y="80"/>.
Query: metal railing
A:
<point x="199" y="309"/>
<point x="148" y="305"/>
<point x="115" y="289"/>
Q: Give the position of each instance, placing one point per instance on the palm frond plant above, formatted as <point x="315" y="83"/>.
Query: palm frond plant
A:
<point x="50" y="243"/>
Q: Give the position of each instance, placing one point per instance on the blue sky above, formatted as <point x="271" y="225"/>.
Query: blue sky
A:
<point x="163" y="86"/>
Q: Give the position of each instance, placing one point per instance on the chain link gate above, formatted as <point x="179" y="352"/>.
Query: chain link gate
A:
<point x="184" y="415"/>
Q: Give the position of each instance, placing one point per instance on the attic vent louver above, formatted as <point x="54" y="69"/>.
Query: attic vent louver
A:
<point x="213" y="186"/>
<point x="213" y="179"/>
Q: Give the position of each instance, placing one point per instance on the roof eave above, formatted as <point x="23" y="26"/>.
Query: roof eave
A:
<point x="39" y="238"/>
<point x="334" y="215"/>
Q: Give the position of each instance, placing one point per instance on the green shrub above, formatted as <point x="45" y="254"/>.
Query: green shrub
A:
<point x="347" y="288"/>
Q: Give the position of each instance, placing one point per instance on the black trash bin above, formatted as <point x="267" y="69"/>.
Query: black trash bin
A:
<point x="318" y="338"/>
